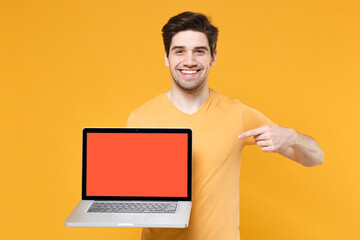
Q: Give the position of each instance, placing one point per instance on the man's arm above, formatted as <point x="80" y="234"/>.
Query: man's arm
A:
<point x="287" y="142"/>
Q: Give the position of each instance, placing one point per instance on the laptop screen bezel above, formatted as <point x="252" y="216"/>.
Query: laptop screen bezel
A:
<point x="187" y="131"/>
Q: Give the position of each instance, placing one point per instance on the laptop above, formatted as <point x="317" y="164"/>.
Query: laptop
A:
<point x="135" y="177"/>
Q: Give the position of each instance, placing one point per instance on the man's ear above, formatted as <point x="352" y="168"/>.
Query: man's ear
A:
<point x="212" y="63"/>
<point x="166" y="60"/>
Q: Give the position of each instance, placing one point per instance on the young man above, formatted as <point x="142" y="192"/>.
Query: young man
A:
<point x="221" y="128"/>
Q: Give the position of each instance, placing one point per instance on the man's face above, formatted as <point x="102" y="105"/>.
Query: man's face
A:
<point x="190" y="59"/>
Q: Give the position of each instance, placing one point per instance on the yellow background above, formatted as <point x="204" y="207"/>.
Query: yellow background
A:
<point x="65" y="65"/>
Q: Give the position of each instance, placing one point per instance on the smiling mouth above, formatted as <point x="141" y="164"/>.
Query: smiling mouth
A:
<point x="189" y="72"/>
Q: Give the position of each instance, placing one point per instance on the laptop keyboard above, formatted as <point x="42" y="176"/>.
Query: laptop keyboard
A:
<point x="132" y="207"/>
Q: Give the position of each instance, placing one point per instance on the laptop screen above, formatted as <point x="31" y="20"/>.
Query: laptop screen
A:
<point x="137" y="163"/>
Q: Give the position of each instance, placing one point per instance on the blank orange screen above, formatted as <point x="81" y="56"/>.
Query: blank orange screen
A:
<point x="137" y="164"/>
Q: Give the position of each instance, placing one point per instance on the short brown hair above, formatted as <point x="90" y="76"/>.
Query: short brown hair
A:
<point x="190" y="21"/>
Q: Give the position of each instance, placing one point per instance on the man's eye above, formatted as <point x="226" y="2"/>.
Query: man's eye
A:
<point x="179" y="51"/>
<point x="200" y="51"/>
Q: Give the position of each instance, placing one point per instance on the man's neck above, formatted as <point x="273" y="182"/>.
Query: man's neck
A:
<point x="188" y="101"/>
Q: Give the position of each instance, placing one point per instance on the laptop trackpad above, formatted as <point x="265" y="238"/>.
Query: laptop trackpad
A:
<point x="128" y="219"/>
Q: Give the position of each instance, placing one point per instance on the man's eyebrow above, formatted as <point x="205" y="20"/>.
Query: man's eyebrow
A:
<point x="177" y="47"/>
<point x="202" y="47"/>
<point x="181" y="47"/>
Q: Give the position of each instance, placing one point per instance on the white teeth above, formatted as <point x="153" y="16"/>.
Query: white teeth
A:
<point x="188" y="71"/>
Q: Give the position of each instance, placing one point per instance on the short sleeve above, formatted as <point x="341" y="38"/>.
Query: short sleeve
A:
<point x="252" y="119"/>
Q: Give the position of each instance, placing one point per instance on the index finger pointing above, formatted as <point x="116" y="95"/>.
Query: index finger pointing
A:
<point x="252" y="133"/>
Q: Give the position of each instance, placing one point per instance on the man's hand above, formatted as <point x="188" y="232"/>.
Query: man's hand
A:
<point x="272" y="138"/>
<point x="287" y="142"/>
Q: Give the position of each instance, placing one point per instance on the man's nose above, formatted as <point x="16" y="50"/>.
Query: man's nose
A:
<point x="190" y="60"/>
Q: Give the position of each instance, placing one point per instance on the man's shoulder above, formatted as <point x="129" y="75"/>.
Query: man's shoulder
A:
<point x="150" y="105"/>
<point x="233" y="105"/>
<point x="146" y="111"/>
<point x="231" y="102"/>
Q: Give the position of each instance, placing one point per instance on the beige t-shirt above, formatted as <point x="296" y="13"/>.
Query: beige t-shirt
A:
<point x="216" y="161"/>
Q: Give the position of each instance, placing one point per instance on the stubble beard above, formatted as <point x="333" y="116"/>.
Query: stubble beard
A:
<point x="190" y="85"/>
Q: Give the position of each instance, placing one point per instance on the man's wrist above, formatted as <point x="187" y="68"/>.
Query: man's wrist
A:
<point x="296" y="138"/>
